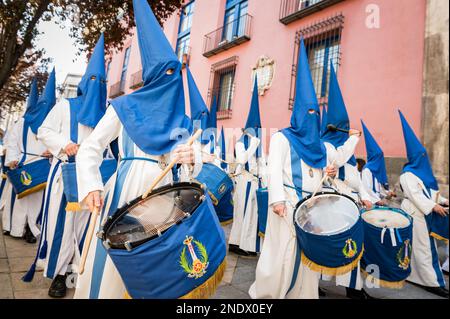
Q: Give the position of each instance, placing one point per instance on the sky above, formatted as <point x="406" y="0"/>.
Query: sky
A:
<point x="60" y="47"/>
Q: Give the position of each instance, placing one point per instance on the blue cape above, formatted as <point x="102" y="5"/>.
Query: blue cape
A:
<point x="418" y="160"/>
<point x="336" y="115"/>
<point x="91" y="98"/>
<point x="45" y="103"/>
<point x="375" y="157"/>
<point x="323" y="122"/>
<point x="304" y="133"/>
<point x="154" y="116"/>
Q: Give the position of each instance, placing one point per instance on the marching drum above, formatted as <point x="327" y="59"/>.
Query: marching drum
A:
<point x="438" y="226"/>
<point x="329" y="233"/>
<point x="168" y="245"/>
<point x="69" y="175"/>
<point x="29" y="178"/>
<point x="220" y="188"/>
<point x="262" y="199"/>
<point x="388" y="244"/>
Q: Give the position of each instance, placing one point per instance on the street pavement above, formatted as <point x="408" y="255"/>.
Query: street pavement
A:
<point x="16" y="256"/>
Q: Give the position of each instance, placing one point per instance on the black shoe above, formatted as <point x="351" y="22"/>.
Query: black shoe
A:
<point x="6" y="232"/>
<point x="358" y="294"/>
<point x="322" y="292"/>
<point x="439" y="291"/>
<point x="445" y="272"/>
<point x="58" y="288"/>
<point x="235" y="249"/>
<point x="28" y="236"/>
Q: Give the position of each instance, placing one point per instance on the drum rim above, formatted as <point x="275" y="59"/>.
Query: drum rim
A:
<point x="120" y="212"/>
<point x="394" y="209"/>
<point x="324" y="193"/>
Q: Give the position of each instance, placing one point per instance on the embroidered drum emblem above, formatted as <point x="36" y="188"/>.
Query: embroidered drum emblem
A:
<point x="403" y="255"/>
<point x="25" y="178"/>
<point x="222" y="188"/>
<point x="198" y="267"/>
<point x="350" y="249"/>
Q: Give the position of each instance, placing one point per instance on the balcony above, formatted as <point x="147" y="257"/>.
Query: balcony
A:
<point x="136" y="80"/>
<point x="116" y="90"/>
<point x="230" y="35"/>
<point x="292" y="10"/>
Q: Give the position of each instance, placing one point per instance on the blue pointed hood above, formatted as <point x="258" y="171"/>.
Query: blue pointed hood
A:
<point x="304" y="133"/>
<point x="223" y="151"/>
<point x="154" y="116"/>
<point x="37" y="113"/>
<point x="418" y="160"/>
<point x="375" y="157"/>
<point x="32" y="100"/>
<point x="336" y="115"/>
<point x="91" y="100"/>
<point x="253" y="123"/>
<point x="199" y="110"/>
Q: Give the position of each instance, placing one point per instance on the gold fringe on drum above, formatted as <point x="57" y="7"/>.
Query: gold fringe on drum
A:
<point x="383" y="283"/>
<point x="439" y="237"/>
<point x="205" y="290"/>
<point x="73" y="207"/>
<point x="4" y="176"/>
<point x="227" y="222"/>
<point x="332" y="271"/>
<point x="32" y="190"/>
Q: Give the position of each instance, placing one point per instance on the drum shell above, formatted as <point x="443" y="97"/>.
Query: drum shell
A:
<point x="69" y="175"/>
<point x="262" y="198"/>
<point x="153" y="271"/>
<point x="38" y="171"/>
<point x="225" y="209"/>
<point x="385" y="255"/>
<point x="327" y="254"/>
<point x="438" y="226"/>
<point x="217" y="182"/>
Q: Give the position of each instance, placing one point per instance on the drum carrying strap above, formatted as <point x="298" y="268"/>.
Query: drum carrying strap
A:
<point x="395" y="236"/>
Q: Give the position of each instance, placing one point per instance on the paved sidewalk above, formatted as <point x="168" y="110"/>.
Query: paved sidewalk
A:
<point x="16" y="257"/>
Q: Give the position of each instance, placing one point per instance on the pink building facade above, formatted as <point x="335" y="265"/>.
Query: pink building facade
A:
<point x="377" y="47"/>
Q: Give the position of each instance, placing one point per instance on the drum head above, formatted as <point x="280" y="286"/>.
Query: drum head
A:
<point x="144" y="219"/>
<point x="326" y="214"/>
<point x="385" y="218"/>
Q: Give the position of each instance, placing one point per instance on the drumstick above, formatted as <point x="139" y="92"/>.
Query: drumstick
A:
<point x="87" y="241"/>
<point x="171" y="164"/>
<point x="321" y="182"/>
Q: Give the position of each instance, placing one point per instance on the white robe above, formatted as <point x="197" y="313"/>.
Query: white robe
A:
<point x="26" y="210"/>
<point x="425" y="268"/>
<point x="244" y="231"/>
<point x="376" y="192"/>
<point x="64" y="230"/>
<point x="275" y="269"/>
<point x="8" y="199"/>
<point x="101" y="279"/>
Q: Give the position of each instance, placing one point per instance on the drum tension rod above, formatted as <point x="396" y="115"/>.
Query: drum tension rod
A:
<point x="127" y="245"/>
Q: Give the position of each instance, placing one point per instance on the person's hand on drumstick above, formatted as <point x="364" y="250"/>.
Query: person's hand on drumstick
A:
<point x="94" y="200"/>
<point x="440" y="210"/>
<point x="382" y="203"/>
<point x="280" y="209"/>
<point x="184" y="154"/>
<point x="71" y="149"/>
<point x="13" y="164"/>
<point x="367" y="204"/>
<point x="331" y="171"/>
<point x="352" y="132"/>
<point x="47" y="154"/>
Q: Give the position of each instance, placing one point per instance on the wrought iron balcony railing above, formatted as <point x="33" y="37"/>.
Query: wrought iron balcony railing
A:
<point x="292" y="10"/>
<point x="116" y="90"/>
<point x="228" y="36"/>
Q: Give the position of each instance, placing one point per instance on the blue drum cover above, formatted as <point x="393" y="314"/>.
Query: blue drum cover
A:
<point x="163" y="268"/>
<point x="29" y="178"/>
<point x="69" y="174"/>
<point x="332" y="254"/>
<point x="262" y="199"/>
<point x="438" y="226"/>
<point x="393" y="261"/>
<point x="225" y="208"/>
